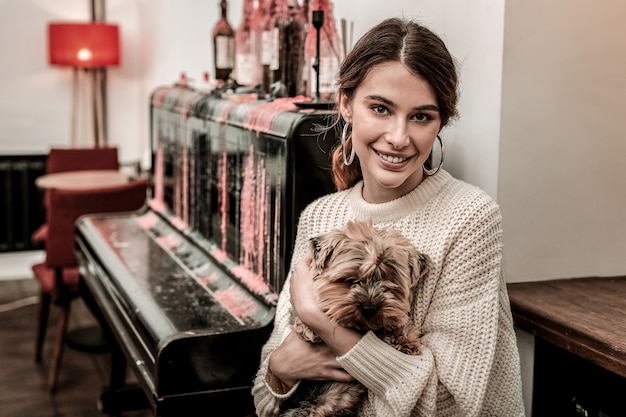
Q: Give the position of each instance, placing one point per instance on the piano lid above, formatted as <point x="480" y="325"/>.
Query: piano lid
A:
<point x="170" y="284"/>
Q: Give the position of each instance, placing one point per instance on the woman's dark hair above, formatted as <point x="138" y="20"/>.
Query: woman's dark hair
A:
<point x="396" y="40"/>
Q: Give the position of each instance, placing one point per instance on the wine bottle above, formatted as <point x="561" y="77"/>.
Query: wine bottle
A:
<point x="288" y="48"/>
<point x="223" y="45"/>
<point x="268" y="12"/>
<point x="247" y="44"/>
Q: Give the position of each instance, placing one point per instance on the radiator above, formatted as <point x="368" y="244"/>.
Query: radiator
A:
<point x="21" y="206"/>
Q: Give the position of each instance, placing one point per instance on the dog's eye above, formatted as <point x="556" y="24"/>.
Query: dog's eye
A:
<point x="350" y="281"/>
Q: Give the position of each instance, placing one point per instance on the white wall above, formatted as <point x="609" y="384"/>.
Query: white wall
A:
<point x="563" y="142"/>
<point x="34" y="98"/>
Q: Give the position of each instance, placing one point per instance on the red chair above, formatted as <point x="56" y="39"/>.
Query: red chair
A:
<point x="58" y="275"/>
<point x="75" y="159"/>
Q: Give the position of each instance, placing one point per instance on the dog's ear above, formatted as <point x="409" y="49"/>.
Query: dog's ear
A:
<point x="321" y="251"/>
<point x="315" y="246"/>
<point x="420" y="265"/>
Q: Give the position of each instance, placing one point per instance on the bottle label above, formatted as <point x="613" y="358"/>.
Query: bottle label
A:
<point x="247" y="69"/>
<point x="224" y="51"/>
<point x="275" y="60"/>
<point x="266" y="47"/>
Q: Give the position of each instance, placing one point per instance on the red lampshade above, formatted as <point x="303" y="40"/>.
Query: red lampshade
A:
<point x="84" y="45"/>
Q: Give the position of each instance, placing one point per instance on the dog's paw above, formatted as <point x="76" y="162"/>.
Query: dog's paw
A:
<point x="407" y="342"/>
<point x="410" y="349"/>
<point x="305" y="332"/>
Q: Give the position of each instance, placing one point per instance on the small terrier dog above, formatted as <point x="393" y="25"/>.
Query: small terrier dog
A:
<point x="364" y="280"/>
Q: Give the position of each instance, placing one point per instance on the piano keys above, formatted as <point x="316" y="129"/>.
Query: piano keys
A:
<point x="189" y="284"/>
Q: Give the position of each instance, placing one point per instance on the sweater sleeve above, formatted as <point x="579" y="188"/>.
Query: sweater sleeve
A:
<point x="459" y="329"/>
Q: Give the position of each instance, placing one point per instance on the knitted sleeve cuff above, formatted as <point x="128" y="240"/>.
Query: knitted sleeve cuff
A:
<point x="381" y="367"/>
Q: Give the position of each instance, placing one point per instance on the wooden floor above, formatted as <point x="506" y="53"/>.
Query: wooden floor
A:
<point x="23" y="383"/>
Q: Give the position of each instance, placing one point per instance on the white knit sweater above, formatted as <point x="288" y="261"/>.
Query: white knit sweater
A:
<point x="469" y="365"/>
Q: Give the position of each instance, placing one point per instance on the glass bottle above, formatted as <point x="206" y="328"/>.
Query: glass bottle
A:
<point x="306" y="11"/>
<point x="223" y="45"/>
<point x="247" y="44"/>
<point x="288" y="48"/>
<point x="330" y="55"/>
<point x="268" y="12"/>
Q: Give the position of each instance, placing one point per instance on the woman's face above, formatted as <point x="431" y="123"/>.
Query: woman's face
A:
<point x="395" y="121"/>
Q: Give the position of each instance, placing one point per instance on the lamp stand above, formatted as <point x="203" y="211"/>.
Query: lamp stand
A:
<point x="99" y="85"/>
<point x="98" y="91"/>
<point x="75" y="85"/>
<point x="88" y="115"/>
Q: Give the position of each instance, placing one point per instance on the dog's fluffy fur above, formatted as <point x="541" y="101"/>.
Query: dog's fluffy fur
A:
<point x="364" y="280"/>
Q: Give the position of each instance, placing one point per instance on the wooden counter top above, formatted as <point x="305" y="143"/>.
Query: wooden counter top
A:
<point x="586" y="316"/>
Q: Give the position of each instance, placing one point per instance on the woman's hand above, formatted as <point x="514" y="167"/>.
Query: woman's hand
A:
<point x="339" y="339"/>
<point x="297" y="359"/>
<point x="303" y="294"/>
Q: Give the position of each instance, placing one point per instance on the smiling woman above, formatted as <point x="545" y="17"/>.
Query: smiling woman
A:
<point x="397" y="91"/>
<point x="392" y="132"/>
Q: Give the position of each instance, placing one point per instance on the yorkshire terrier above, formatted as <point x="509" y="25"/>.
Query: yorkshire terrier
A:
<point x="364" y="279"/>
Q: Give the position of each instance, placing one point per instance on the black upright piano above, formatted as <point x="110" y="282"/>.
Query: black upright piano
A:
<point x="188" y="284"/>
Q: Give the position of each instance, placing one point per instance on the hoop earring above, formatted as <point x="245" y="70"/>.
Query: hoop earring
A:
<point x="344" y="133"/>
<point x="433" y="171"/>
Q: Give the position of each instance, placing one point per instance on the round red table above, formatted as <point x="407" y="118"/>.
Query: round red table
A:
<point x="82" y="180"/>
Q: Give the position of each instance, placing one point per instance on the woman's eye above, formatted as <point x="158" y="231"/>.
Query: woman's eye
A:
<point x="422" y="117"/>
<point x="379" y="109"/>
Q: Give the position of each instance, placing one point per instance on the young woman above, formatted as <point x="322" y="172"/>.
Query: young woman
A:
<point x="397" y="91"/>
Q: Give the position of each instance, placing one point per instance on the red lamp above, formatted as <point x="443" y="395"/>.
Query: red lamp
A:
<point x="84" y="45"/>
<point x="89" y="47"/>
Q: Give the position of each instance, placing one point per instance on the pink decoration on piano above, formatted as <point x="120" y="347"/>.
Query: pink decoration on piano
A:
<point x="224" y="112"/>
<point x="236" y="301"/>
<point x="262" y="207"/>
<point x="277" y="236"/>
<point x="219" y="255"/>
<point x="168" y="241"/>
<point x="190" y="101"/>
<point x="178" y="223"/>
<point x="147" y="221"/>
<point x="157" y="205"/>
<point x="185" y="181"/>
<point x="259" y="118"/>
<point x="159" y="166"/>
<point x="177" y="200"/>
<point x="208" y="279"/>
<point x="250" y="230"/>
<point x="223" y="186"/>
<point x="253" y="282"/>
<point x="157" y="99"/>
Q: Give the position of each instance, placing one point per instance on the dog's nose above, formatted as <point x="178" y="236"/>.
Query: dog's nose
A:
<point x="369" y="310"/>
